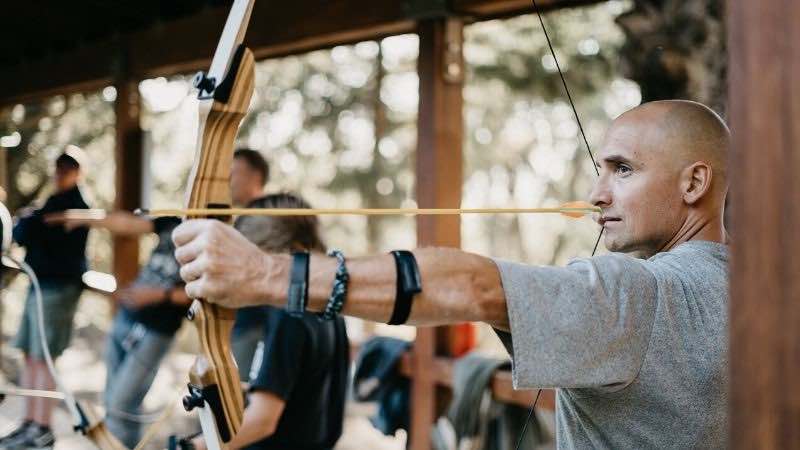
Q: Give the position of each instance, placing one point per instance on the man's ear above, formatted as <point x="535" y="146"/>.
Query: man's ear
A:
<point x="696" y="182"/>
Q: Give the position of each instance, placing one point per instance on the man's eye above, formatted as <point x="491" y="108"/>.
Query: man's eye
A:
<point x="622" y="169"/>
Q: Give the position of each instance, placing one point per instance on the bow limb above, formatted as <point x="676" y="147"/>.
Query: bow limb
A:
<point x="225" y="94"/>
<point x="97" y="432"/>
<point x="85" y="419"/>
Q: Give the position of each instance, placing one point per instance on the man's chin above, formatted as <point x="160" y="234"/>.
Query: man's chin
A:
<point x="632" y="249"/>
<point x="613" y="241"/>
<point x="619" y="244"/>
<point x="614" y="247"/>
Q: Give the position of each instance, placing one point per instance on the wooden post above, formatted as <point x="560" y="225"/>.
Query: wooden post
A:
<point x="439" y="179"/>
<point x="128" y="157"/>
<point x="3" y="199"/>
<point x="764" y="45"/>
<point x="4" y="173"/>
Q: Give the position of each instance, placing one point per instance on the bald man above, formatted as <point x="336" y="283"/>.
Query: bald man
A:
<point x="634" y="340"/>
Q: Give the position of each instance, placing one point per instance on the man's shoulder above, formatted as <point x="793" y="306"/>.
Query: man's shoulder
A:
<point x="69" y="199"/>
<point x="692" y="254"/>
<point x="694" y="263"/>
<point x="694" y="249"/>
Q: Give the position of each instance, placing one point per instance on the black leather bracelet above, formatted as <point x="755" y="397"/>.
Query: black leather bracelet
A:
<point x="186" y="444"/>
<point x="339" y="291"/>
<point x="298" y="285"/>
<point x="181" y="443"/>
<point x="409" y="283"/>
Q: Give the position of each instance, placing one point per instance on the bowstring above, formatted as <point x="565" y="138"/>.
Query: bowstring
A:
<point x="594" y="166"/>
<point x="566" y="88"/>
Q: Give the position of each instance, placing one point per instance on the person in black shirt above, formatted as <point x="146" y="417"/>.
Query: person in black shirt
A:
<point x="298" y="376"/>
<point x="57" y="257"/>
<point x="249" y="174"/>
<point x="152" y="311"/>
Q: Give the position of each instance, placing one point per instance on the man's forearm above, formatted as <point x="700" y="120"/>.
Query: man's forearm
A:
<point x="456" y="287"/>
<point x="220" y="265"/>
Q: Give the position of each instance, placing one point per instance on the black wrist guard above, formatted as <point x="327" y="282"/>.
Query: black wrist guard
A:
<point x="298" y="285"/>
<point x="408" y="283"/>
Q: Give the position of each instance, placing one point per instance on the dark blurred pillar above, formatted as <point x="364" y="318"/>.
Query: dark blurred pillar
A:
<point x="764" y="91"/>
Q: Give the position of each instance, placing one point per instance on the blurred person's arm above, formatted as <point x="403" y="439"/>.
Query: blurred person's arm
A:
<point x="117" y="222"/>
<point x="137" y="297"/>
<point x="26" y="224"/>
<point x="21" y="233"/>
<point x="177" y="295"/>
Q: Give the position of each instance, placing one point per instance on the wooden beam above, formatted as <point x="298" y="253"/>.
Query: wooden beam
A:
<point x="3" y="196"/>
<point x="84" y="69"/>
<point x="440" y="130"/>
<point x="483" y="10"/>
<point x="187" y="44"/>
<point x="501" y="384"/>
<point x="128" y="177"/>
<point x="764" y="46"/>
<point x="275" y="30"/>
<point x="439" y="178"/>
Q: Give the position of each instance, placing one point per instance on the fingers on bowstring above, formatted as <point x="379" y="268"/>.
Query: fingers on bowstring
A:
<point x="189" y="230"/>
<point x="190" y="251"/>
<point x="194" y="269"/>
<point x="200" y="288"/>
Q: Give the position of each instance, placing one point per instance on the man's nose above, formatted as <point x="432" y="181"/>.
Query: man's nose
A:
<point x="600" y="194"/>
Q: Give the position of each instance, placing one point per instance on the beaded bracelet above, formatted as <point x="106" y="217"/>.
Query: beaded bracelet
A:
<point x="339" y="291"/>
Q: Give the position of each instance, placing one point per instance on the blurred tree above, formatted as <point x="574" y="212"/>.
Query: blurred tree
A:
<point x="337" y="126"/>
<point x="44" y="128"/>
<point x="676" y="49"/>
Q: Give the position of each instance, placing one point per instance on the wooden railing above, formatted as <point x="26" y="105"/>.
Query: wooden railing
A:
<point x="501" y="385"/>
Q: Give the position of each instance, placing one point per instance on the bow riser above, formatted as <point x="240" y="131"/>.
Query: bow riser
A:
<point x="219" y="123"/>
<point x="214" y="375"/>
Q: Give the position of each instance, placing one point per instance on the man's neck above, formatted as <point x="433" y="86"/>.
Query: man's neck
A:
<point x="254" y="195"/>
<point x="66" y="189"/>
<point x="699" y="229"/>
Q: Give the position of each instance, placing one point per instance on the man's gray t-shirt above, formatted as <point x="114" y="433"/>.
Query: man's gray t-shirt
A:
<point x="637" y="348"/>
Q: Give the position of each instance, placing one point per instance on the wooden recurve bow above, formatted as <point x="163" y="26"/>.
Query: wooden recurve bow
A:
<point x="224" y="94"/>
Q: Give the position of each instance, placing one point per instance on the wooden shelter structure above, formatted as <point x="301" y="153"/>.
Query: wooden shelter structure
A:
<point x="82" y="45"/>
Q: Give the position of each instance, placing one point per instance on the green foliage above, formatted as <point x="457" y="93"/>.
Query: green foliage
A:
<point x="45" y="128"/>
<point x="339" y="127"/>
<point x="523" y="146"/>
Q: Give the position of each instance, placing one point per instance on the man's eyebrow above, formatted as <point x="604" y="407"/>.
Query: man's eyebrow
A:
<point x="616" y="159"/>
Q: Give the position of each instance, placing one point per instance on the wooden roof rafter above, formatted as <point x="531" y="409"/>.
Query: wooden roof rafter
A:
<point x="181" y="44"/>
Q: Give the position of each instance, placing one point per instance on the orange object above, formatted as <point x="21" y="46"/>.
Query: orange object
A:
<point x="463" y="338"/>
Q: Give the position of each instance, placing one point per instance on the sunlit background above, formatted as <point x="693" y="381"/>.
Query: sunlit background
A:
<point x="338" y="127"/>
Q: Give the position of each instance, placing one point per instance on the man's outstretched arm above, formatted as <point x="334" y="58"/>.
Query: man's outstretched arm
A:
<point x="220" y="265"/>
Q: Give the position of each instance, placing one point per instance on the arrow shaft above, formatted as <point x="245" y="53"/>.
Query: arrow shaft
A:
<point x="361" y="211"/>
<point x="10" y="390"/>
